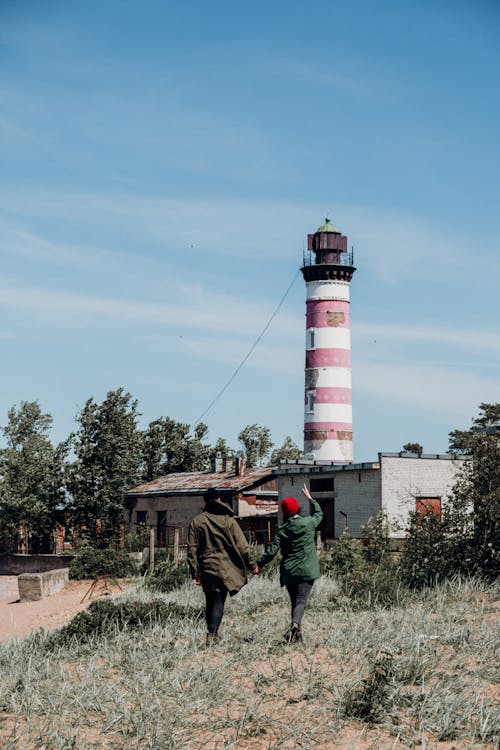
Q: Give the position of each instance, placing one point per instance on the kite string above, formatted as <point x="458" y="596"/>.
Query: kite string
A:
<point x="248" y="354"/>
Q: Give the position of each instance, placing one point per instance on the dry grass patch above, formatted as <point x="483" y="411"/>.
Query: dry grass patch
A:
<point x="420" y="676"/>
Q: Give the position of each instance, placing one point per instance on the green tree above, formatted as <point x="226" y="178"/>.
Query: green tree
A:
<point x="486" y="423"/>
<point x="32" y="477"/>
<point x="377" y="533"/>
<point x="476" y="501"/>
<point x="413" y="448"/>
<point x="257" y="443"/>
<point x="422" y="561"/>
<point x="168" y="447"/>
<point x="107" y="448"/>
<point x="476" y="496"/>
<point x="466" y="538"/>
<point x="289" y="451"/>
<point x="221" y="447"/>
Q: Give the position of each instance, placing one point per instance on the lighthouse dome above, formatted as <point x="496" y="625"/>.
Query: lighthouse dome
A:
<point x="328" y="227"/>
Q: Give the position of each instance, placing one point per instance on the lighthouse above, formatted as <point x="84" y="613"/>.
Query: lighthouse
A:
<point x="327" y="270"/>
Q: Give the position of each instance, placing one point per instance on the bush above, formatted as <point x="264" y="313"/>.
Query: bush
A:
<point x="464" y="540"/>
<point x="370" y="700"/>
<point x="167" y="576"/>
<point x="377" y="539"/>
<point x="106" y="616"/>
<point x="422" y="561"/>
<point x="161" y="555"/>
<point x="375" y="586"/>
<point x="364" y="583"/>
<point x="345" y="560"/>
<point x="90" y="563"/>
<point x="133" y="543"/>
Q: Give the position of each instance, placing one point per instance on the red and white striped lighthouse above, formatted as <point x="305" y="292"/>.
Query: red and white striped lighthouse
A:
<point x="327" y="271"/>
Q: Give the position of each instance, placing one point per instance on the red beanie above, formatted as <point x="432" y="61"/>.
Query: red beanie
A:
<point x="289" y="506"/>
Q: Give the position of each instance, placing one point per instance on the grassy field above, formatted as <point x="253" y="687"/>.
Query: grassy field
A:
<point x="424" y="674"/>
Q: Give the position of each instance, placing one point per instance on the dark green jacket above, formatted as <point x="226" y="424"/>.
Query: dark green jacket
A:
<point x="217" y="549"/>
<point x="295" y="539"/>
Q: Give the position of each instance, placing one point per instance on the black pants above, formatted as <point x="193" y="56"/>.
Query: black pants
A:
<point x="299" y="594"/>
<point x="214" y="610"/>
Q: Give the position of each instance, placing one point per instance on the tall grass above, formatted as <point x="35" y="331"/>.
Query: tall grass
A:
<point x="394" y="677"/>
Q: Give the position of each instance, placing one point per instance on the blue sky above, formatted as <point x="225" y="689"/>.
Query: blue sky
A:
<point x="161" y="164"/>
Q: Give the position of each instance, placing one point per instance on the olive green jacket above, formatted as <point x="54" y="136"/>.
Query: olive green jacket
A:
<point x="295" y="538"/>
<point x="217" y="548"/>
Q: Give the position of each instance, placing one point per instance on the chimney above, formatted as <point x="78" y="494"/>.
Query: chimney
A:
<point x="217" y="463"/>
<point x="240" y="464"/>
<point x="228" y="464"/>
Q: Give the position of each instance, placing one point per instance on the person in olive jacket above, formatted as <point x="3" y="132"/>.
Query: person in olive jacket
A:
<point x="218" y="556"/>
<point x="299" y="566"/>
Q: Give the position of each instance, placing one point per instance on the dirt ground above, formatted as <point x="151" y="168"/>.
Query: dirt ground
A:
<point x="18" y="619"/>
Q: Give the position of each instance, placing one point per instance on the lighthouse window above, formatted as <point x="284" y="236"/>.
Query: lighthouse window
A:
<point x="310" y="401"/>
<point x="310" y="343"/>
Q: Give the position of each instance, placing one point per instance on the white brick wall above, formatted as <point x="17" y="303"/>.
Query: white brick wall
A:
<point x="405" y="478"/>
<point x="393" y="488"/>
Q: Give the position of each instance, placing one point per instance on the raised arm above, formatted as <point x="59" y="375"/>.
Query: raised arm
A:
<point x="317" y="513"/>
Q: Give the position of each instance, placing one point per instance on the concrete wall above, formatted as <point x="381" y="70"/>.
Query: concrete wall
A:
<point x="180" y="509"/>
<point x="362" y="493"/>
<point x="13" y="565"/>
<point x="356" y="493"/>
<point x="34" y="586"/>
<point x="404" y="478"/>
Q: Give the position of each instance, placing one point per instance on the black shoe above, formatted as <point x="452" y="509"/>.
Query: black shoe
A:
<point x="293" y="634"/>
<point x="212" y="639"/>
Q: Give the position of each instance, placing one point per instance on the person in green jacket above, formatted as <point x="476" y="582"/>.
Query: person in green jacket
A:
<point x="299" y="566"/>
<point x="218" y="557"/>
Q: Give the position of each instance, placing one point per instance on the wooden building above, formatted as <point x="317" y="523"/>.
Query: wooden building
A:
<point x="171" y="501"/>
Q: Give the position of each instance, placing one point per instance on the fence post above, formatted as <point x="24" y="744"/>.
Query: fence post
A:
<point x="318" y="542"/>
<point x="151" y="549"/>
<point x="176" y="546"/>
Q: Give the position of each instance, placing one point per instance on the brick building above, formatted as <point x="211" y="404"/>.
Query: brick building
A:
<point x="350" y="494"/>
<point x="172" y="501"/>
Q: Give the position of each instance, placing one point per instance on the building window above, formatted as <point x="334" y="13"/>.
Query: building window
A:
<point x="310" y="339"/>
<point x="428" y="506"/>
<point x="321" y="484"/>
<point x="141" y="517"/>
<point x="310" y="401"/>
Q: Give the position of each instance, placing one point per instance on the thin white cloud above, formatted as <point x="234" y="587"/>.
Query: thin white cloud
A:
<point x="479" y="339"/>
<point x="393" y="245"/>
<point x="276" y="356"/>
<point x="22" y="243"/>
<point x="200" y="310"/>
<point x="328" y="78"/>
<point x="429" y="389"/>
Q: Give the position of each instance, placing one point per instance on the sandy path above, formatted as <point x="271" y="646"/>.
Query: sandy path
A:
<point x="19" y="619"/>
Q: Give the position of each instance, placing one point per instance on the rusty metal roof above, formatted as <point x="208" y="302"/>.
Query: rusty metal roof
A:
<point x="198" y="481"/>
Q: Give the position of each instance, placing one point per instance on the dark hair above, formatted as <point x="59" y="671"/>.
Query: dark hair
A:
<point x="211" y="494"/>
